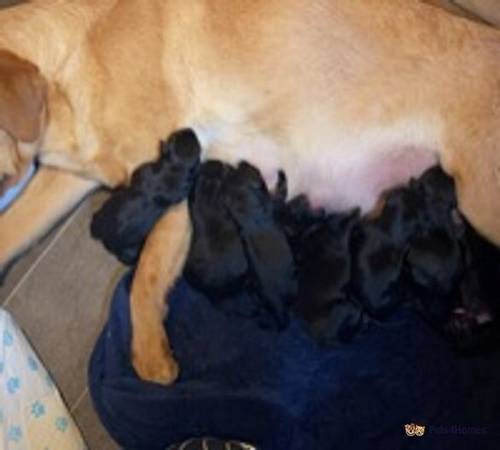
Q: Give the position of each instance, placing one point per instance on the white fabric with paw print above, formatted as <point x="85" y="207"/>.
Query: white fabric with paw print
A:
<point x="32" y="413"/>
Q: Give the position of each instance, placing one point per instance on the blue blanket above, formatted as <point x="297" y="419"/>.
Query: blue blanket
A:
<point x="281" y="391"/>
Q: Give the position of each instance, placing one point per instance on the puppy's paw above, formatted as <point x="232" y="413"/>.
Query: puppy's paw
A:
<point x="154" y="363"/>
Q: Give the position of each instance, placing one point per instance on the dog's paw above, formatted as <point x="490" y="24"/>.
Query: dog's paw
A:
<point x="155" y="363"/>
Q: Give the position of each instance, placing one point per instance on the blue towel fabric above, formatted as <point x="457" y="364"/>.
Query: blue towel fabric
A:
<point x="281" y="391"/>
<point x="8" y="197"/>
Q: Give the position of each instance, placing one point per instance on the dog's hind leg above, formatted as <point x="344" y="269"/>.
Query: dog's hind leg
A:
<point x="161" y="262"/>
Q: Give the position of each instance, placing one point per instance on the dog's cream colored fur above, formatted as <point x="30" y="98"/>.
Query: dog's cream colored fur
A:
<point x="347" y="92"/>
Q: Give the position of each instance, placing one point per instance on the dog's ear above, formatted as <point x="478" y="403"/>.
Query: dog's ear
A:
<point x="23" y="92"/>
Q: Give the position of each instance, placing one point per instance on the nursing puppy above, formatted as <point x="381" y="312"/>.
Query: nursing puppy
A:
<point x="325" y="264"/>
<point x="216" y="262"/>
<point x="349" y="98"/>
<point x="412" y="250"/>
<point x="272" y="268"/>
<point x="221" y="257"/>
<point x="124" y="221"/>
<point x="474" y="325"/>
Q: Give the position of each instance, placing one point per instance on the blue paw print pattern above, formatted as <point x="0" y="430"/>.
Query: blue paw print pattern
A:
<point x="37" y="409"/>
<point x="8" y="340"/>
<point x="32" y="363"/>
<point x="13" y="385"/>
<point x="62" y="424"/>
<point x="15" y="434"/>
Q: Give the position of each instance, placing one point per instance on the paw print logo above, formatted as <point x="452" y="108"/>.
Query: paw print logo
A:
<point x="62" y="424"/>
<point x="15" y="434"/>
<point x="13" y="385"/>
<point x="37" y="409"/>
<point x="8" y="340"/>
<point x="32" y="364"/>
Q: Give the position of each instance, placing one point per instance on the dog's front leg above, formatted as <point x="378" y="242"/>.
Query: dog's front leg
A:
<point x="49" y="196"/>
<point x="161" y="262"/>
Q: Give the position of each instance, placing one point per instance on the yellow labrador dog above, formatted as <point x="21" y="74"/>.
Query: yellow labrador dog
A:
<point x="349" y="97"/>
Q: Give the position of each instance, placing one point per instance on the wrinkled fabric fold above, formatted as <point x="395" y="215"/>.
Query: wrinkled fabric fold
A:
<point x="277" y="390"/>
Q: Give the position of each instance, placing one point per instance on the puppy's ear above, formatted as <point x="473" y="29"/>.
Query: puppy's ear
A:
<point x="23" y="93"/>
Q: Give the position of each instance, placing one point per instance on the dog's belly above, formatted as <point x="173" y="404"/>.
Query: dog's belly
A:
<point x="356" y="180"/>
<point x="351" y="174"/>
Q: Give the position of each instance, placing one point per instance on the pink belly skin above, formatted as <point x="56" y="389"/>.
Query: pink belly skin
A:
<point x="358" y="182"/>
<point x="354" y="173"/>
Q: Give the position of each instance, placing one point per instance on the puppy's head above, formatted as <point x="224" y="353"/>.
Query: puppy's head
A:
<point x="23" y="93"/>
<point x="247" y="197"/>
<point x="169" y="179"/>
<point x="438" y="191"/>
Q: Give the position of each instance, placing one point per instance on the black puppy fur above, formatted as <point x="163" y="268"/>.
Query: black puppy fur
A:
<point x="271" y="265"/>
<point x="340" y="269"/>
<point x="324" y="264"/>
<point x="414" y="234"/>
<point x="125" y="220"/>
<point x="435" y="261"/>
<point x="415" y="253"/>
<point x="228" y="253"/>
<point x="474" y="323"/>
<point x="217" y="262"/>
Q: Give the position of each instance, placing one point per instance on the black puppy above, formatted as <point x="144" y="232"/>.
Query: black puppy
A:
<point x="474" y="324"/>
<point x="237" y="245"/>
<point x="216" y="262"/>
<point x="411" y="250"/>
<point x="377" y="266"/>
<point x="125" y="220"/>
<point x="272" y="277"/>
<point x="381" y="245"/>
<point x="435" y="262"/>
<point x="324" y="265"/>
